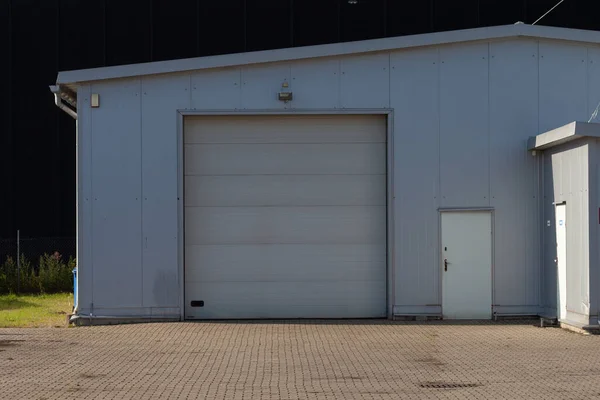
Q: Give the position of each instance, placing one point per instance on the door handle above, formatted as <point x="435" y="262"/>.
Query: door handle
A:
<point x="445" y="264"/>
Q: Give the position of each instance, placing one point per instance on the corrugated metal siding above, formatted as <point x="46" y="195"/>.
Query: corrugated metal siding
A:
<point x="462" y="115"/>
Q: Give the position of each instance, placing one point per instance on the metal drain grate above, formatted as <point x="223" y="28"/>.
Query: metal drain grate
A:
<point x="446" y="385"/>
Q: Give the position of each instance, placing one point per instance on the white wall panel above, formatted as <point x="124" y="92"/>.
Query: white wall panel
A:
<point x="161" y="97"/>
<point x="117" y="189"/>
<point x="514" y="172"/>
<point x="414" y="86"/>
<point x="464" y="130"/>
<point x="563" y="85"/>
<point x="316" y="84"/>
<point x="217" y="89"/>
<point x="365" y="81"/>
<point x="260" y="85"/>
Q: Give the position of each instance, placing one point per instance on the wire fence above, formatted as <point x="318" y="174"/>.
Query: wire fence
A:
<point x="33" y="248"/>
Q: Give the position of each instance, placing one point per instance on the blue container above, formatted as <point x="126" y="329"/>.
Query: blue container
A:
<point x="74" y="288"/>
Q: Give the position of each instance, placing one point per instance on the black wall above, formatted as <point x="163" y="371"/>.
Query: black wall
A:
<point x="40" y="37"/>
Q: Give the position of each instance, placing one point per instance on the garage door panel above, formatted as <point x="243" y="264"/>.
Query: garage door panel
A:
<point x="285" y="216"/>
<point x="286" y="129"/>
<point x="284" y="263"/>
<point x="279" y="225"/>
<point x="289" y="300"/>
<point x="285" y="159"/>
<point x="280" y="190"/>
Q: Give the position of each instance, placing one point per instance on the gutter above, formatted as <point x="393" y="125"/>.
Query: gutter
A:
<point x="66" y="100"/>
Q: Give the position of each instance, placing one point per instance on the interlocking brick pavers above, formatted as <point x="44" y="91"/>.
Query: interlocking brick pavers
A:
<point x="300" y="360"/>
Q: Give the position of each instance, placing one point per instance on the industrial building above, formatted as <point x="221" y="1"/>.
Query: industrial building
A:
<point x="406" y="176"/>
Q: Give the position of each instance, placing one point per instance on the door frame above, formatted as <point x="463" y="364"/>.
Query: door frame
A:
<point x="558" y="303"/>
<point x="492" y="212"/>
<point x="388" y="113"/>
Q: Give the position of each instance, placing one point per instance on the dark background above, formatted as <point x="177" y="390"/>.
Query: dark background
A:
<point x="40" y="37"/>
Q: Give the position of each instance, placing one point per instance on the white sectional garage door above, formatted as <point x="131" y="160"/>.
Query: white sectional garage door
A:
<point x="285" y="217"/>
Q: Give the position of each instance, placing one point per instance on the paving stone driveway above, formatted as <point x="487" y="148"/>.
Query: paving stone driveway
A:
<point x="299" y="360"/>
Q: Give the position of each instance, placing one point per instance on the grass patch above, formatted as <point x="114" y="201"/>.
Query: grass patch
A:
<point x="35" y="311"/>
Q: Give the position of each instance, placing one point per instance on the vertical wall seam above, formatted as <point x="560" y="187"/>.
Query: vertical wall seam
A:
<point x="389" y="79"/>
<point x="437" y="259"/>
<point x="144" y="239"/>
<point x="190" y="89"/>
<point x="489" y="160"/>
<point x="91" y="199"/>
<point x="489" y="129"/>
<point x="339" y="85"/>
<point x="541" y="230"/>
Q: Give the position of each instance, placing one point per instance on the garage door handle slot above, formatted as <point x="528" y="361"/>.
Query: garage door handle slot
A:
<point x="445" y="264"/>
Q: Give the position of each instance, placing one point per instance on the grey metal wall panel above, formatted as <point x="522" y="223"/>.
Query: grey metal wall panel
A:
<point x="563" y="69"/>
<point x="315" y="84"/>
<point x="260" y="85"/>
<point x="514" y="173"/>
<point x="85" y="239"/>
<point x="117" y="189"/>
<point x="219" y="89"/>
<point x="593" y="81"/>
<point x="414" y="90"/>
<point x="464" y="126"/>
<point x="365" y="81"/>
<point x="161" y="97"/>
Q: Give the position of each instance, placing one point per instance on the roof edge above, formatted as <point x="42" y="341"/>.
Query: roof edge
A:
<point x="327" y="50"/>
<point x="566" y="133"/>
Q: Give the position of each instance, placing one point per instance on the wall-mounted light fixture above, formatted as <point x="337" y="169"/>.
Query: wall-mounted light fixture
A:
<point x="285" y="96"/>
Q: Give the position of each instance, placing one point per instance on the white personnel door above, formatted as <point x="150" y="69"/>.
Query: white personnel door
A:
<point x="466" y="265"/>
<point x="561" y="259"/>
<point x="285" y="217"/>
